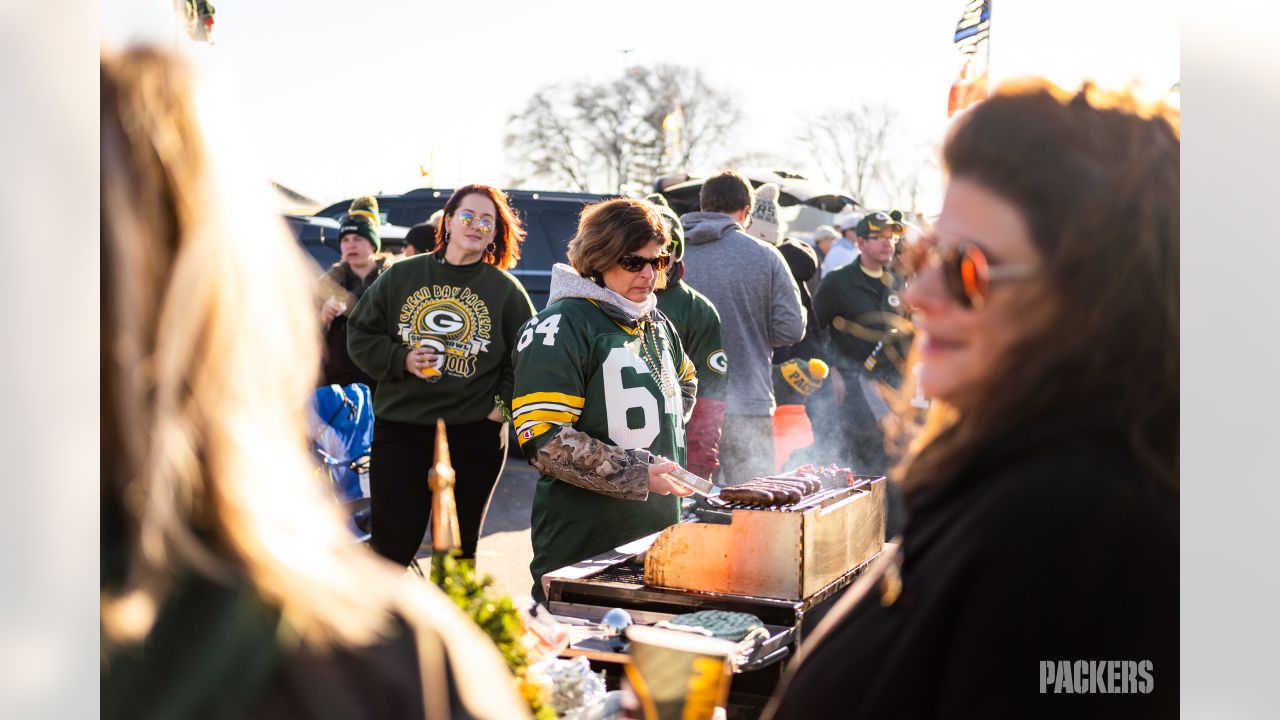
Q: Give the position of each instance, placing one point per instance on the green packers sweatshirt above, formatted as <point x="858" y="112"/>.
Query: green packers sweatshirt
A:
<point x="471" y="313"/>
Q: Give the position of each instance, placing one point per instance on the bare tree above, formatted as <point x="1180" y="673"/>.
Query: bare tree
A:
<point x="902" y="178"/>
<point x="546" y="138"/>
<point x="757" y="159"/>
<point x="848" y="146"/>
<point x="602" y="136"/>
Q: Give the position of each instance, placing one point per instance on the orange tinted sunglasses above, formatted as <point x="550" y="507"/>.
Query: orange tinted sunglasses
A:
<point x="965" y="269"/>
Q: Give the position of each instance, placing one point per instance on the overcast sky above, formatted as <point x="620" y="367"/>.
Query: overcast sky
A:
<point x="344" y="98"/>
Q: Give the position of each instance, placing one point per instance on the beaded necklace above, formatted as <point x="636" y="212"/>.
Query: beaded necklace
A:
<point x="655" y="367"/>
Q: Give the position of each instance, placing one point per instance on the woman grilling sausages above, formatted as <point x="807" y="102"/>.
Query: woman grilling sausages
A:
<point x="603" y="390"/>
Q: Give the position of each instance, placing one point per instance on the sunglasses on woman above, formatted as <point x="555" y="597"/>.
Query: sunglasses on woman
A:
<point x="484" y="225"/>
<point x="635" y="263"/>
<point x="965" y="269"/>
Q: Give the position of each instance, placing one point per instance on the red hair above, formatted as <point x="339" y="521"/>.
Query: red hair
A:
<point x="508" y="231"/>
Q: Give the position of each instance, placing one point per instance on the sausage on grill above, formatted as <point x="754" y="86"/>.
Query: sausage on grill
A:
<point x="782" y="494"/>
<point x="747" y="495"/>
<point x="806" y="487"/>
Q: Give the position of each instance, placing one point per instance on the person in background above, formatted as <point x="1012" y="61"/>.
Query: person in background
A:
<point x="860" y="307"/>
<point x="603" y="389"/>
<point x="823" y="238"/>
<point x="748" y="282"/>
<point x="794" y="376"/>
<point x="229" y="587"/>
<point x="436" y="332"/>
<point x="1041" y="546"/>
<point x="343" y="285"/>
<point x="767" y="224"/>
<point x="698" y="325"/>
<point x="845" y="248"/>
<point x="420" y="238"/>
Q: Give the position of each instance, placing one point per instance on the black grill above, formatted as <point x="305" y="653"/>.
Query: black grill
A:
<point x="625" y="573"/>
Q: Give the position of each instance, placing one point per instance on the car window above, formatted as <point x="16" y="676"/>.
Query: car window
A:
<point x="410" y="211"/>
<point x="535" y="253"/>
<point x="559" y="226"/>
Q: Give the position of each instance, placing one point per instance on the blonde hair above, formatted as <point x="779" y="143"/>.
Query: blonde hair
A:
<point x="209" y="358"/>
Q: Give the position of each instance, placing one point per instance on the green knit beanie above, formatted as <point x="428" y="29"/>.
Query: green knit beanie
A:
<point x="362" y="219"/>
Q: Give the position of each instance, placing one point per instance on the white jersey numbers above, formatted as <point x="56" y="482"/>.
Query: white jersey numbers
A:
<point x="547" y="328"/>
<point x="619" y="400"/>
<point x="633" y="417"/>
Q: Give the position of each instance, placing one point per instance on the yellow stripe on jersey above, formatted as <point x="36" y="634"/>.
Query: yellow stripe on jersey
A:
<point x="686" y="370"/>
<point x="530" y="433"/>
<point x="571" y="400"/>
<point x="521" y="418"/>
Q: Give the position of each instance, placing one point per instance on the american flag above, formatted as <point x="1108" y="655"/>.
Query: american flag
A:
<point x="974" y="26"/>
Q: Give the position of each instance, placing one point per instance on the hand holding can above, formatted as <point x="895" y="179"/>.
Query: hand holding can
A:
<point x="425" y="361"/>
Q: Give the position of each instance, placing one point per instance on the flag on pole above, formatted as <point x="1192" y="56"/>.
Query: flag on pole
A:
<point x="973" y="33"/>
<point x="974" y="26"/>
<point x="970" y="87"/>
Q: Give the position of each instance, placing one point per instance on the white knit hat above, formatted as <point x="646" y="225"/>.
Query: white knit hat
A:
<point x="765" y="223"/>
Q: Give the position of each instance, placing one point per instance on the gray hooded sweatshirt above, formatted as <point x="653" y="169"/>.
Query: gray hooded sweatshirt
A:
<point x="759" y="304"/>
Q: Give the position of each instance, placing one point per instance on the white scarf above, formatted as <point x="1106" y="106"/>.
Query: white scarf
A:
<point x="636" y="310"/>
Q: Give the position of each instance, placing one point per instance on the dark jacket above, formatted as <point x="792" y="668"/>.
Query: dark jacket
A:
<point x="339" y="281"/>
<point x="216" y="651"/>
<point x="802" y="261"/>
<point x="872" y="310"/>
<point x="1051" y="545"/>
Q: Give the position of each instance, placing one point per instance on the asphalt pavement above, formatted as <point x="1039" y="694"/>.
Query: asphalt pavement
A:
<point x="504" y="551"/>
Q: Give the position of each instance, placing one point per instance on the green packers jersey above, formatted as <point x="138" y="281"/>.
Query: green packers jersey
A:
<point x="698" y="324"/>
<point x="575" y="366"/>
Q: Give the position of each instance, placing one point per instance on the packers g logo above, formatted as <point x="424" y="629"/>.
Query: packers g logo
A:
<point x="718" y="362"/>
<point x="443" y="321"/>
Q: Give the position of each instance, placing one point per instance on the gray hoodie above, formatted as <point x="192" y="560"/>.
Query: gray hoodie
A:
<point x="759" y="304"/>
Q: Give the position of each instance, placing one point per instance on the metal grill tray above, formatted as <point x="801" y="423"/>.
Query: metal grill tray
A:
<point x="622" y="585"/>
<point x="773" y="649"/>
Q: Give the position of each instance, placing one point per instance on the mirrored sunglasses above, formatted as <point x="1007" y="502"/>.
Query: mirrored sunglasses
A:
<point x="484" y="225"/>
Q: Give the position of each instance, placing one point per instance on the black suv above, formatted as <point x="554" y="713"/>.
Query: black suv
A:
<point x="551" y="219"/>
<point x="318" y="236"/>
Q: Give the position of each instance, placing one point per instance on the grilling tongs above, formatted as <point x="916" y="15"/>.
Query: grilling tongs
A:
<point x="699" y="485"/>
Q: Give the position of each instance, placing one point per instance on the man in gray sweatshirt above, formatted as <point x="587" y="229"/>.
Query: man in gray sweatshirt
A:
<point x="759" y="304"/>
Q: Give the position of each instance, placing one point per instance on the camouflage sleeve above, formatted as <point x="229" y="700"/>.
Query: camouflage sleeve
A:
<point x="576" y="458"/>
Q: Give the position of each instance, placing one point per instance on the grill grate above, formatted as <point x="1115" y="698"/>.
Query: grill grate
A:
<point x="809" y="501"/>
<point x="625" y="573"/>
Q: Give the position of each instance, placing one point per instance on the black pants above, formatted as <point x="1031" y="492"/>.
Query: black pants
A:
<point x="401" y="457"/>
